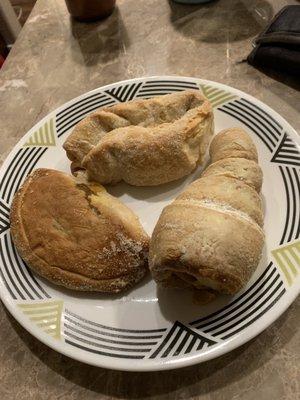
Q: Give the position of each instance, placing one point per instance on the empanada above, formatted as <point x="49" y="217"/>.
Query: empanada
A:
<point x="76" y="235"/>
<point x="143" y="142"/>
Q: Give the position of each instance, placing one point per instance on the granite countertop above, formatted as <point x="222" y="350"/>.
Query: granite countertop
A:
<point x="56" y="59"/>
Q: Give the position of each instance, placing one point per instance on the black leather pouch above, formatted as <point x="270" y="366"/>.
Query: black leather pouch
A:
<point x="277" y="48"/>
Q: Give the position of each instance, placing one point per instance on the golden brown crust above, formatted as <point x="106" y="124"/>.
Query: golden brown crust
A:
<point x="218" y="249"/>
<point x="229" y="192"/>
<point x="210" y="237"/>
<point x="243" y="169"/>
<point x="76" y="235"/>
<point x="144" y="142"/>
<point x="233" y="143"/>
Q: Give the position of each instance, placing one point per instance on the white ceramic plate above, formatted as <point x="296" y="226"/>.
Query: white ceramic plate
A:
<point x="149" y="329"/>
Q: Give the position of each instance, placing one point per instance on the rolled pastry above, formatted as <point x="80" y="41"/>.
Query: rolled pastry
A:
<point x="143" y="142"/>
<point x="211" y="236"/>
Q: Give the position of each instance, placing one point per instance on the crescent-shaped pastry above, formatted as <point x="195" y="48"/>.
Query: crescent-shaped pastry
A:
<point x="211" y="236"/>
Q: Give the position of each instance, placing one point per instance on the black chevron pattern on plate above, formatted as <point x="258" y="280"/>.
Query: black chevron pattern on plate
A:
<point x="246" y="309"/>
<point x="255" y="118"/>
<point x="180" y="340"/>
<point x="161" y="87"/>
<point x="291" y="180"/>
<point x="4" y="217"/>
<point x="71" y="115"/>
<point x="124" y="92"/>
<point x="18" y="279"/>
<point x="287" y="152"/>
<point x="20" y="166"/>
<point x="108" y="341"/>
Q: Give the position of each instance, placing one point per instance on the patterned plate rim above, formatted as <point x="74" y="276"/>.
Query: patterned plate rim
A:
<point x="232" y="106"/>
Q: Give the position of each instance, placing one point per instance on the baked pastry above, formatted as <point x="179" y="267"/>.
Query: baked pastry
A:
<point x="143" y="142"/>
<point x="243" y="169"/>
<point x="211" y="238"/>
<point x="75" y="234"/>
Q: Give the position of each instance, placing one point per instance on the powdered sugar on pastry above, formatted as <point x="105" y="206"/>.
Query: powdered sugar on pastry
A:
<point x="211" y="235"/>
<point x="144" y="142"/>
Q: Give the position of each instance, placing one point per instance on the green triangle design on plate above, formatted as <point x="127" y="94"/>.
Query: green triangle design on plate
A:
<point x="44" y="136"/>
<point x="46" y="315"/>
<point x="216" y="96"/>
<point x="288" y="260"/>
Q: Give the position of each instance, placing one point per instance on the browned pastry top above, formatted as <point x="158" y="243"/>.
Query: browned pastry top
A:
<point x="137" y="113"/>
<point x="211" y="238"/>
<point x="233" y="143"/>
<point x="143" y="142"/>
<point x="77" y="235"/>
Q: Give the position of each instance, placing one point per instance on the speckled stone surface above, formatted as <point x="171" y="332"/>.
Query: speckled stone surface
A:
<point x="56" y="59"/>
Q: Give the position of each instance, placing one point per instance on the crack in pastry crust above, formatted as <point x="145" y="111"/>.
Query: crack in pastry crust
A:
<point x="80" y="237"/>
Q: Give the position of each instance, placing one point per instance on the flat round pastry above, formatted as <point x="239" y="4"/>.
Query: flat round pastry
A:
<point x="75" y="234"/>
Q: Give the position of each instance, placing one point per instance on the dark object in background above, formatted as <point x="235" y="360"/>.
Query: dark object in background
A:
<point x="192" y="1"/>
<point x="23" y="8"/>
<point x="90" y="10"/>
<point x="278" y="46"/>
<point x="3" y="50"/>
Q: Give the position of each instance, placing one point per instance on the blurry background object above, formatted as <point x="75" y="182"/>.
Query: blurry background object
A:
<point x="192" y="1"/>
<point x="13" y="15"/>
<point x="210" y="23"/>
<point x="9" y="24"/>
<point x="3" y="51"/>
<point x="22" y="8"/>
<point x="87" y="10"/>
<point x="277" y="48"/>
